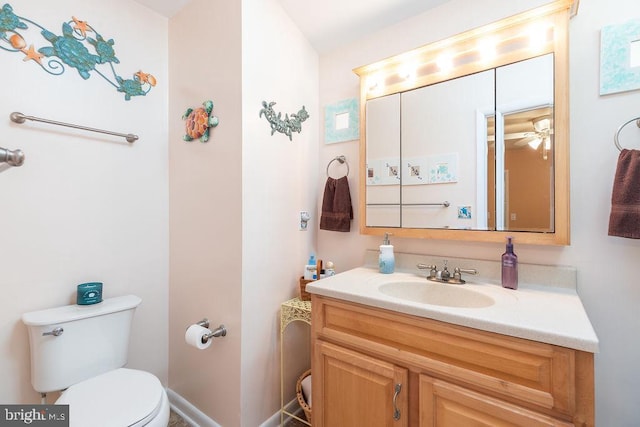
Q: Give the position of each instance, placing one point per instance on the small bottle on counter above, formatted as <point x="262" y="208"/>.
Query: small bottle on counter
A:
<point x="386" y="259"/>
<point x="329" y="269"/>
<point x="310" y="268"/>
<point x="509" y="267"/>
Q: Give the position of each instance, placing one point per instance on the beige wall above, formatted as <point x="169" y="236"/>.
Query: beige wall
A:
<point x="205" y="184"/>
<point x="84" y="206"/>
<point x="278" y="65"/>
<point x="236" y="251"/>
<point x="607" y="272"/>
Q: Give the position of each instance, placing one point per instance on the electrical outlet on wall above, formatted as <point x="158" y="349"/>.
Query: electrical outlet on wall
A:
<point x="304" y="220"/>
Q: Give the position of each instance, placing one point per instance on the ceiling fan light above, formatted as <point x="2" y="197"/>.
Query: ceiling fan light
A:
<point x="535" y="143"/>
<point x="542" y="124"/>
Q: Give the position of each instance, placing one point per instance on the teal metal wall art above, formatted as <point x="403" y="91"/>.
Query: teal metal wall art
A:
<point x="199" y="121"/>
<point x="71" y="49"/>
<point x="286" y="125"/>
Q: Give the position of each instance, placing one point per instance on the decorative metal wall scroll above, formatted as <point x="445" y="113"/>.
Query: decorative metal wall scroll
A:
<point x="286" y="125"/>
<point x="70" y="49"/>
<point x="199" y="121"/>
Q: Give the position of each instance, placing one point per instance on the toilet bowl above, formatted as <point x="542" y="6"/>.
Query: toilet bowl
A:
<point x="118" y="398"/>
<point x="83" y="350"/>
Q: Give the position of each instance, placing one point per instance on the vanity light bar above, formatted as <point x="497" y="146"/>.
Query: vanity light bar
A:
<point x="537" y="38"/>
<point x="505" y="39"/>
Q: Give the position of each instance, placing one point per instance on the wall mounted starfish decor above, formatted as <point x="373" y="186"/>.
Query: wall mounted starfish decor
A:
<point x="286" y="125"/>
<point x="71" y="49"/>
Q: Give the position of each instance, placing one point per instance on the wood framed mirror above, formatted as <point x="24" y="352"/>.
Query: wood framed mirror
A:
<point x="467" y="138"/>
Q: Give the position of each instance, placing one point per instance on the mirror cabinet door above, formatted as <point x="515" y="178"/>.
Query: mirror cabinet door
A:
<point x="439" y="128"/>
<point x="524" y="107"/>
<point x="383" y="162"/>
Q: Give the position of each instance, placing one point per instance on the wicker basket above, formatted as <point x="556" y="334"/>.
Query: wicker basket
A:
<point x="304" y="295"/>
<point x="303" y="404"/>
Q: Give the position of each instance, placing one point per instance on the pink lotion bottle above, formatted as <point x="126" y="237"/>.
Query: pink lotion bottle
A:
<point x="509" y="267"/>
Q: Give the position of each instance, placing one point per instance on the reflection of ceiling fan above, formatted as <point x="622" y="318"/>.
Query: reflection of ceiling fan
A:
<point x="541" y="133"/>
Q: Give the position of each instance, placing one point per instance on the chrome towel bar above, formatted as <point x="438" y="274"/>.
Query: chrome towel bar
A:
<point x="20" y="118"/>
<point x="11" y="157"/>
<point x="446" y="204"/>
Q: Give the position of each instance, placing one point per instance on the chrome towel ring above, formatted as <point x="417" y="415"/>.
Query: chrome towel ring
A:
<point x="341" y="160"/>
<point x="617" y="134"/>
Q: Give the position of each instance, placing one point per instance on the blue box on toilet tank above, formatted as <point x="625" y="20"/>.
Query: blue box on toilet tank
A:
<point x="89" y="293"/>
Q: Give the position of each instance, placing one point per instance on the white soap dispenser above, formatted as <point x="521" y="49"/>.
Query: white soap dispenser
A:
<point x="386" y="259"/>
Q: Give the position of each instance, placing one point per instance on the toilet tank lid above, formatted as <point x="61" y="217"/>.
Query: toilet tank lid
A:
<point x="69" y="313"/>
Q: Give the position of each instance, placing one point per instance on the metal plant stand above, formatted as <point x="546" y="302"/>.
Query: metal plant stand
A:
<point x="290" y="311"/>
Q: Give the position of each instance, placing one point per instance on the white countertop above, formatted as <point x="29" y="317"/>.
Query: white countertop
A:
<point x="539" y="313"/>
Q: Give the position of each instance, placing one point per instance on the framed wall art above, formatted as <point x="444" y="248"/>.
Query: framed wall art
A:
<point x="341" y="121"/>
<point x="620" y="57"/>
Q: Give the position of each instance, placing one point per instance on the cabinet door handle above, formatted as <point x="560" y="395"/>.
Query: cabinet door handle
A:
<point x="396" y="411"/>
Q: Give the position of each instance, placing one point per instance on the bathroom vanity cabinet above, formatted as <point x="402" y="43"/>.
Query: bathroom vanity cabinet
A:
<point x="376" y="367"/>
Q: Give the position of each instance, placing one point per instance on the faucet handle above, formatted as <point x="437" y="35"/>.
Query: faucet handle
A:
<point x="457" y="273"/>
<point x="422" y="266"/>
<point x="433" y="269"/>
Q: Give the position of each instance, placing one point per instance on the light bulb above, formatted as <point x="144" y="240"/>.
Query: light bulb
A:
<point x="538" y="35"/>
<point x="407" y="71"/>
<point x="445" y="62"/>
<point x="375" y="83"/>
<point x="487" y="49"/>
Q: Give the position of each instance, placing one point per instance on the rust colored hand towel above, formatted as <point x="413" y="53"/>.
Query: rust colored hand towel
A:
<point x="624" y="220"/>
<point x="337" y="211"/>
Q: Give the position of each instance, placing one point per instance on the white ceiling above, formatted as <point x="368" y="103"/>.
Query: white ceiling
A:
<point x="330" y="23"/>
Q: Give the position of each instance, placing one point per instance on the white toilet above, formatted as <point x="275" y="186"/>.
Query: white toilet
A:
<point x="82" y="350"/>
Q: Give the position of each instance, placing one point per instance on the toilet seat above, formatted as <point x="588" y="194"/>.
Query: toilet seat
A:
<point x="119" y="398"/>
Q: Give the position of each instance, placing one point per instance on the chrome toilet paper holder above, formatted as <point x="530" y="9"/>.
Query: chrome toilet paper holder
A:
<point x="220" y="331"/>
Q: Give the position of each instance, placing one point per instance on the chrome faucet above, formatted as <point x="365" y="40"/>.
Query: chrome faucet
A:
<point x="444" y="275"/>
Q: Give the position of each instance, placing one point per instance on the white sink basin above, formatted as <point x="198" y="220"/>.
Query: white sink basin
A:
<point x="437" y="294"/>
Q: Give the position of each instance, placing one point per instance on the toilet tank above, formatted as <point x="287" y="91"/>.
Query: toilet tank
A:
<point x="95" y="339"/>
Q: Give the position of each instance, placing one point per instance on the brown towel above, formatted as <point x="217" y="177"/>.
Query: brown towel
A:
<point x="624" y="220"/>
<point x="337" y="211"/>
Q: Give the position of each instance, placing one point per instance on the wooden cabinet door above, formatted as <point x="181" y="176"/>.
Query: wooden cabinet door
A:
<point x="356" y="390"/>
<point x="446" y="405"/>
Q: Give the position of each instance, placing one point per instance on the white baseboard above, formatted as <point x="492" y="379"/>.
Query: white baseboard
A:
<point x="293" y="407"/>
<point x="192" y="415"/>
<point x="196" y="418"/>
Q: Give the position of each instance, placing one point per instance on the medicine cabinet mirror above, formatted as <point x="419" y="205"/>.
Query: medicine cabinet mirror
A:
<point x="468" y="138"/>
